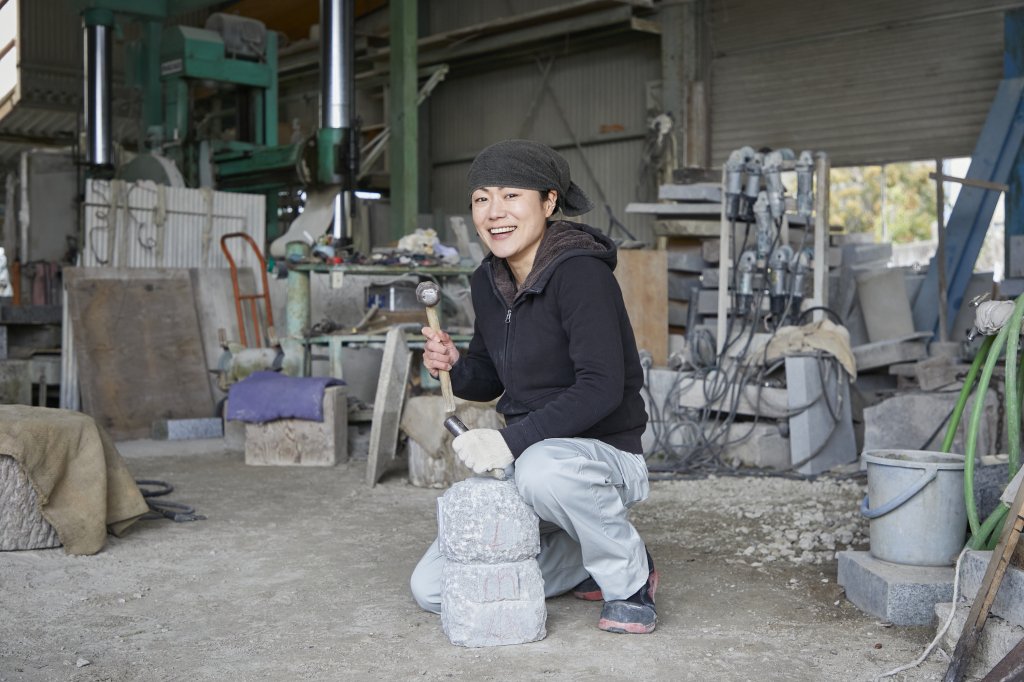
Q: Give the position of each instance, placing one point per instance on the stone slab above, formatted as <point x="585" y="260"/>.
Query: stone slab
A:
<point x="915" y="421"/>
<point x="699" y="191"/>
<point x="997" y="639"/>
<point x="897" y="593"/>
<point x="890" y="352"/>
<point x="821" y="427"/>
<point x="300" y="441"/>
<point x="187" y="429"/>
<point x="1009" y="601"/>
<point x="392" y="385"/>
<point x="762" y="446"/>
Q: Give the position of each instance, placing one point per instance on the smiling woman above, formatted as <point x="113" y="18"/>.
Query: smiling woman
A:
<point x="552" y="339"/>
<point x="511" y="223"/>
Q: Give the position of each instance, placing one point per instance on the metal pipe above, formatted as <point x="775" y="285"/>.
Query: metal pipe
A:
<point x="337" y="82"/>
<point x="97" y="26"/>
<point x="336" y="19"/>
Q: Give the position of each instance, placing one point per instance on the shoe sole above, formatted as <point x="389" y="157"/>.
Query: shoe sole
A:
<point x="597" y="595"/>
<point x="625" y="628"/>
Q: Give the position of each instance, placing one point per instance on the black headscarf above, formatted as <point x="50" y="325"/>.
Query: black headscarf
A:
<point x="526" y="164"/>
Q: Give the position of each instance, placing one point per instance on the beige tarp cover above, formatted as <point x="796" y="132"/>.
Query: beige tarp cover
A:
<point x="82" y="483"/>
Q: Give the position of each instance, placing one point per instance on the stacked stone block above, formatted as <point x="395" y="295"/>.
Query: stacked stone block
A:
<point x="492" y="592"/>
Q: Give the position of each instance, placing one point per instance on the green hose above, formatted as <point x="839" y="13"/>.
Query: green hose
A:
<point x="993" y="527"/>
<point x="965" y="393"/>
<point x="971" y="440"/>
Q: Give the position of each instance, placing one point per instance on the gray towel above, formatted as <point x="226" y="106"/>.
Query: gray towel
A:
<point x="525" y="164"/>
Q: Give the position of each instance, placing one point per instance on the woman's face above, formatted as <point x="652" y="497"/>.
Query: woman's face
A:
<point x="511" y="222"/>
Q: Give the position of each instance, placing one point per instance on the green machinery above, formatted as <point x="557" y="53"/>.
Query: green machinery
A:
<point x="210" y="98"/>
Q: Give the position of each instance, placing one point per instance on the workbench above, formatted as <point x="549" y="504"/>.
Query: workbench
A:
<point x="298" y="307"/>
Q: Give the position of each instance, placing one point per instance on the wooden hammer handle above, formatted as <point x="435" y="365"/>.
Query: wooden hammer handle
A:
<point x="446" y="380"/>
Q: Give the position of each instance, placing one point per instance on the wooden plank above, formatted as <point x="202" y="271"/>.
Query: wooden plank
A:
<point x="137" y="344"/>
<point x="387" y="405"/>
<point x="643" y="278"/>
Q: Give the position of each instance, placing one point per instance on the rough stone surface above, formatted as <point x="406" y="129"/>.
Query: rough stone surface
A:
<point x="916" y="421"/>
<point x="898" y="593"/>
<point x="483" y="520"/>
<point x="516" y="581"/>
<point x="22" y="526"/>
<point x="1009" y="601"/>
<point x="187" y="429"/>
<point x="493" y="604"/>
<point x="492" y="591"/>
<point x="997" y="639"/>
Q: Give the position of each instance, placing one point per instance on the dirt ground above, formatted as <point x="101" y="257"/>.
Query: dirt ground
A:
<point x="302" y="574"/>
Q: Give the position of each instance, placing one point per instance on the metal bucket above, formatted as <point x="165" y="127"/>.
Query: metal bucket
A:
<point x="919" y="516"/>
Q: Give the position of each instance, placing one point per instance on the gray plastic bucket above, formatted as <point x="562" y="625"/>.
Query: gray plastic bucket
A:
<point x="915" y="504"/>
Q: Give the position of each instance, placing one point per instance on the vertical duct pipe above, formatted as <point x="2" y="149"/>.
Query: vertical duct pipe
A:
<point x="337" y="89"/>
<point x="98" y="25"/>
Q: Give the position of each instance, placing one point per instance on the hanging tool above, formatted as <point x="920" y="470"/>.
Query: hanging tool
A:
<point x="429" y="294"/>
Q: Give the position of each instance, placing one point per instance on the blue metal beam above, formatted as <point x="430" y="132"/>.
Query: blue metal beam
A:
<point x="995" y="155"/>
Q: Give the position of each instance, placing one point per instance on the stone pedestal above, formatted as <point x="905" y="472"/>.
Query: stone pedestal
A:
<point x="300" y="441"/>
<point x="492" y="591"/>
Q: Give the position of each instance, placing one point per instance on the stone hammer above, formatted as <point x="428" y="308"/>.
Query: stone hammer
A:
<point x="429" y="294"/>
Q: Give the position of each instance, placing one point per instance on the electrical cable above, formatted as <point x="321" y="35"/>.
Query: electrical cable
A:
<point x="175" y="511"/>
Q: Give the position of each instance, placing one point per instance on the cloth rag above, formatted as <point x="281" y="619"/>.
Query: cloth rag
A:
<point x="267" y="396"/>
<point x="822" y="335"/>
<point x="80" y="479"/>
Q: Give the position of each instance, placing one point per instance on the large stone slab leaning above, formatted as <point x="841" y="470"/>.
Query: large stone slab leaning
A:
<point x="483" y="520"/>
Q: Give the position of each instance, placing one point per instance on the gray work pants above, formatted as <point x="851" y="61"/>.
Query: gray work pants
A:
<point x="582" y="490"/>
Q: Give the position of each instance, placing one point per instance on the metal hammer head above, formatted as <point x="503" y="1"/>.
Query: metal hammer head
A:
<point x="428" y="293"/>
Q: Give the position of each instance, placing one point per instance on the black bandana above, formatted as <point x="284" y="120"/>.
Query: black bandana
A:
<point x="525" y="164"/>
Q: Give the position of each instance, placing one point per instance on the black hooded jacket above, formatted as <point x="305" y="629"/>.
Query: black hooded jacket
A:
<point x="559" y="350"/>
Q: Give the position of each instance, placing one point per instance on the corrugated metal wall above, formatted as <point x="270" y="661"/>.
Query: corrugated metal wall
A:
<point x="603" y="95"/>
<point x="867" y="82"/>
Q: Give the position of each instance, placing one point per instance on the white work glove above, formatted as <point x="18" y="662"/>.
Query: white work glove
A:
<point x="482" y="450"/>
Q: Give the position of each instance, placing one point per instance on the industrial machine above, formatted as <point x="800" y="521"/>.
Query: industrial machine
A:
<point x="210" y="104"/>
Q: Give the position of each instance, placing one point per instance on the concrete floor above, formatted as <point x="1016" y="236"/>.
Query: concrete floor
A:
<point x="302" y="574"/>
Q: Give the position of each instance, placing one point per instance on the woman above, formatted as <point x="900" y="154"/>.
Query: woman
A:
<point x="553" y="340"/>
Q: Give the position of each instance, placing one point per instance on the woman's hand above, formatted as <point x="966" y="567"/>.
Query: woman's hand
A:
<point x="439" y="352"/>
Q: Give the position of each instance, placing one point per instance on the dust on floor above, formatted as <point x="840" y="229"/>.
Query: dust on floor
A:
<point x="302" y="574"/>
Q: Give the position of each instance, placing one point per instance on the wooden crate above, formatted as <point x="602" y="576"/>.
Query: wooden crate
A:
<point x="300" y="441"/>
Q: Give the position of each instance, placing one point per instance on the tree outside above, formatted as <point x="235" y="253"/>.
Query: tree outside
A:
<point x="895" y="202"/>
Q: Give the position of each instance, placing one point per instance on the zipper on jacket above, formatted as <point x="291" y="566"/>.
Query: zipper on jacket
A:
<point x="508" y="316"/>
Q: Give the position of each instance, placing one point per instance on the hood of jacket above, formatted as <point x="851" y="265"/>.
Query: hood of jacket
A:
<point x="562" y="239"/>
